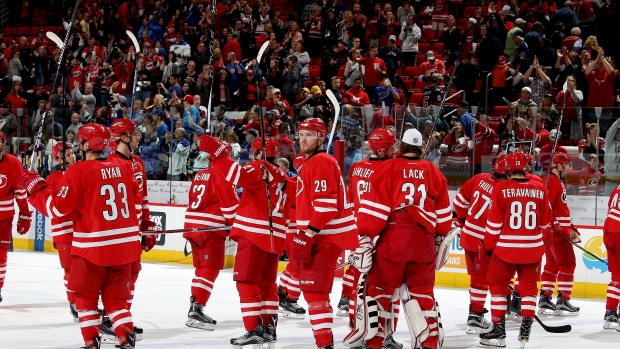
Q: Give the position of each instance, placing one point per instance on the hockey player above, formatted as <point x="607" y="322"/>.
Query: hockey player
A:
<point x="259" y="248"/>
<point x="62" y="227"/>
<point x="126" y="137"/>
<point x="611" y="238"/>
<point x="289" y="291"/>
<point x="212" y="204"/>
<point x="559" y="256"/>
<point x="402" y="214"/>
<point x="10" y="169"/>
<point x="104" y="197"/>
<point x="472" y="205"/>
<point x="516" y="226"/>
<point x="325" y="224"/>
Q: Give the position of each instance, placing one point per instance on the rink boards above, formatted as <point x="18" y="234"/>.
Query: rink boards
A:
<point x="591" y="276"/>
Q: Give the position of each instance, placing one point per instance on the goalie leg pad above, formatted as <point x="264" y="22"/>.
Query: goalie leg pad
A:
<point x="422" y="315"/>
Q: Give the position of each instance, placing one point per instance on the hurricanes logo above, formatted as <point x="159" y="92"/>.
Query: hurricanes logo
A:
<point x="300" y="185"/>
<point x="3" y="181"/>
<point x="597" y="247"/>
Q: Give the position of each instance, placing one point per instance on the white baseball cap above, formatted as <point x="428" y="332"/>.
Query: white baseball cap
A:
<point x="413" y="137"/>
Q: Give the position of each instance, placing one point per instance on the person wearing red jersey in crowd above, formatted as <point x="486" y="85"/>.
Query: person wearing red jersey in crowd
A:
<point x="402" y="215"/>
<point x="439" y="13"/>
<point x="601" y="92"/>
<point x="458" y="153"/>
<point x="126" y="138"/>
<point x="472" y="204"/>
<point x="431" y="66"/>
<point x="259" y="247"/>
<point x="611" y="238"/>
<point x="356" y="95"/>
<point x="10" y="192"/>
<point x="105" y="198"/>
<point x="374" y="68"/>
<point x="382" y="143"/>
<point x="517" y="224"/>
<point x="484" y="140"/>
<point x="62" y="227"/>
<point x="212" y="204"/>
<point x="93" y="49"/>
<point x="76" y="74"/>
<point x="589" y="178"/>
<point x="545" y="151"/>
<point x="527" y="133"/>
<point x="560" y="261"/>
<point x="325" y="225"/>
<point x="289" y="291"/>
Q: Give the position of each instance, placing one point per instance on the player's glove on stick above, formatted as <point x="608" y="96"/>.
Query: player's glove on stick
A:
<point x="148" y="241"/>
<point x="23" y="222"/>
<point x="363" y="254"/>
<point x="31" y="182"/>
<point x="303" y="246"/>
<point x="483" y="251"/>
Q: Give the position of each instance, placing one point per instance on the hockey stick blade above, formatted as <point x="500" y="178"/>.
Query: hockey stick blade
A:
<point x="334" y="101"/>
<point x="55" y="39"/>
<point x="550" y="329"/>
<point x="136" y="45"/>
<point x="188" y="230"/>
<point x="134" y="40"/>
<point x="261" y="51"/>
<point x="586" y="251"/>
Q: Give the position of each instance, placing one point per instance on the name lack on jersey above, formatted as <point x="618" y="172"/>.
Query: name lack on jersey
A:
<point x="409" y="173"/>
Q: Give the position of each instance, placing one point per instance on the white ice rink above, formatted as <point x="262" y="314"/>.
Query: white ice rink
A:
<point x="35" y="313"/>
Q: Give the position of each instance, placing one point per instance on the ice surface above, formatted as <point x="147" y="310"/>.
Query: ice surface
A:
<point x="35" y="313"/>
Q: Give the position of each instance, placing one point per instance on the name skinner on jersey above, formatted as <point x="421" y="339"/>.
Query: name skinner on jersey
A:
<point x="529" y="193"/>
<point x="111" y="172"/>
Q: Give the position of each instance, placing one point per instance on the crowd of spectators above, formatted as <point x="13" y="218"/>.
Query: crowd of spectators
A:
<point x="522" y="67"/>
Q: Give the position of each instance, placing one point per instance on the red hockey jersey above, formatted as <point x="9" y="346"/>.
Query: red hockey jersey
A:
<point x="589" y="182"/>
<point x="10" y="170"/>
<point x="139" y="172"/>
<point x="518" y="217"/>
<point x="213" y="203"/>
<point x="103" y="196"/>
<point x="557" y="200"/>
<point x="322" y="202"/>
<point x="359" y="180"/>
<point x="251" y="220"/>
<point x="472" y="203"/>
<point x="612" y="222"/>
<point x="62" y="227"/>
<point x="289" y="209"/>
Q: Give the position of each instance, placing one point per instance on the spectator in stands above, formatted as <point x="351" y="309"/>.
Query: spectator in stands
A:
<point x="353" y="153"/>
<point x="431" y="66"/>
<point x="548" y="111"/>
<point x="356" y="95"/>
<point x="15" y="68"/>
<point x="319" y="103"/>
<point x="386" y="93"/>
<point x="451" y="36"/>
<point x="232" y="46"/>
<point x="574" y="41"/>
<point x="75" y="123"/>
<point x="284" y="166"/>
<point x="292" y="36"/>
<point x="439" y="13"/>
<point x="247" y="90"/>
<point x="558" y="35"/>
<point x="534" y="37"/>
<point x="510" y="45"/>
<point x="287" y="146"/>
<point x="523" y="58"/>
<point x="404" y="11"/>
<point x="567" y="16"/>
<point x="9" y="122"/>
<point x="374" y="69"/>
<point x="484" y="141"/>
<point x="612" y="157"/>
<point x="250" y="137"/>
<point x="601" y="93"/>
<point x="190" y="116"/>
<point x="52" y="129"/>
<point x="525" y="104"/>
<point x="274" y="76"/>
<point x="466" y="75"/>
<point x="540" y="83"/>
<point x="33" y="122"/>
<point x="182" y="51"/>
<point x="87" y="97"/>
<point x="292" y="77"/>
<point x="303" y="59"/>
<point x="178" y="147"/>
<point x="354" y="69"/>
<point x="489" y="50"/>
<point x="235" y="70"/>
<point x="465" y="119"/>
<point x="233" y="140"/>
<point x="591" y="143"/>
<point x="569" y="101"/>
<point x="16" y="99"/>
<point x="470" y="38"/>
<point x="284" y="116"/>
<point x="170" y="67"/>
<point x="221" y="90"/>
<point x="391" y="56"/>
<point x="409" y="37"/>
<point x="331" y="62"/>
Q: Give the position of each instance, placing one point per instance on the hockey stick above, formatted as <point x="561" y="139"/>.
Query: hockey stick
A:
<point x="400" y="82"/>
<point x="186" y="230"/>
<point x="336" y="105"/>
<point x="55" y="39"/>
<point x="550" y="329"/>
<point x="210" y="103"/>
<point x="557" y="138"/>
<point x="342" y="266"/>
<point x="586" y="251"/>
<point x="63" y="51"/>
<point x="137" y="50"/>
<point x="264" y="147"/>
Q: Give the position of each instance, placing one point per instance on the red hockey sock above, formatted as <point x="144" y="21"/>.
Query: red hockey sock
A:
<point x="290" y="283"/>
<point x="321" y="317"/>
<point x="547" y="282"/>
<point x="349" y="282"/>
<point x="566" y="276"/>
<point x="122" y="323"/>
<point x="268" y="302"/>
<point x="132" y="287"/>
<point x="90" y="320"/>
<point x="499" y="303"/>
<point x="202" y="284"/>
<point x="613" y="293"/>
<point x="383" y="297"/>
<point x="478" y="290"/>
<point x="249" y="297"/>
<point x="426" y="299"/>
<point x="528" y="291"/>
<point x="3" y="258"/>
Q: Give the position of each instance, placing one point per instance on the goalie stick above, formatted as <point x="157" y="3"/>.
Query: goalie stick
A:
<point x="400" y="82"/>
<point x="336" y="105"/>
<point x="137" y="50"/>
<point x="550" y="329"/>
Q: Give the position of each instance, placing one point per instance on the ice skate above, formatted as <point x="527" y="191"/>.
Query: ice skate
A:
<point x="565" y="308"/>
<point x="496" y="337"/>
<point x="131" y="342"/>
<point x="138" y="331"/>
<point x="477" y="323"/>
<point x="514" y="306"/>
<point x="74" y="313"/>
<point x="253" y="338"/>
<point x="390" y="343"/>
<point x="525" y="330"/>
<point x="343" y="306"/>
<point x="290" y="309"/>
<point x="611" y="320"/>
<point x="330" y="346"/>
<point x="196" y="318"/>
<point x="546" y="306"/>
<point x="107" y="332"/>
<point x="281" y="295"/>
<point x="96" y="344"/>
<point x="269" y="336"/>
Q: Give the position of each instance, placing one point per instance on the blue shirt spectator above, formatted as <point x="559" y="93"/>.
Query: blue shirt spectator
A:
<point x="386" y="93"/>
<point x="466" y="119"/>
<point x="235" y="70"/>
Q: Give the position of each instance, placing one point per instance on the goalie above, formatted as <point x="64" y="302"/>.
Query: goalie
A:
<point x="402" y="214"/>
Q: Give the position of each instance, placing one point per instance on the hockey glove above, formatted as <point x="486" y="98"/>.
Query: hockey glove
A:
<point x="558" y="231"/>
<point x="23" y="223"/>
<point x="276" y="173"/>
<point x="148" y="241"/>
<point x="483" y="251"/>
<point x="31" y="182"/>
<point x="458" y="222"/>
<point x="303" y="246"/>
<point x="363" y="254"/>
<point x="575" y="235"/>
